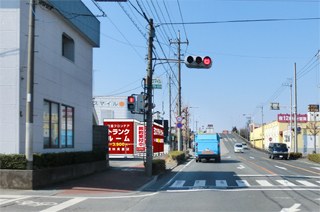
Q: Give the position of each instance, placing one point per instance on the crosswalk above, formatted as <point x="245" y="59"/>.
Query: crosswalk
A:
<point x="183" y="184"/>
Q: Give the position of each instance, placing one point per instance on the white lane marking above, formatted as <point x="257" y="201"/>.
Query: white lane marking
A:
<point x="174" y="177"/>
<point x="264" y="183"/>
<point x="279" y="167"/>
<point x="178" y="184"/>
<point x="251" y="157"/>
<point x="199" y="183"/>
<point x="5" y="201"/>
<point x="306" y="183"/>
<point x="316" y="168"/>
<point x="243" y="183"/>
<point x="293" y="208"/>
<point x="221" y="183"/>
<point x="65" y="204"/>
<point x="275" y="175"/>
<point x="318" y="181"/>
<point x="241" y="167"/>
<point x="285" y="183"/>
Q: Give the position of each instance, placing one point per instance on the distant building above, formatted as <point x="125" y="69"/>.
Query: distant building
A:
<point x="113" y="107"/>
<point x="279" y="132"/>
<point x="62" y="97"/>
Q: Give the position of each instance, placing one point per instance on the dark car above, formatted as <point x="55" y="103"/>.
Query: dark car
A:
<point x="278" y="150"/>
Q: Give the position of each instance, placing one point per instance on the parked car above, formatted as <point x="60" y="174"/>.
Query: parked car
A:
<point x="238" y="147"/>
<point x="278" y="150"/>
<point x="244" y="145"/>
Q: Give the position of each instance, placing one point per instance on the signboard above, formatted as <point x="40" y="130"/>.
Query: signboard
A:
<point x="120" y="137"/>
<point x="275" y="106"/>
<point x="158" y="139"/>
<point x="141" y="141"/>
<point x="156" y="83"/>
<point x="313" y="108"/>
<point x="285" y="118"/>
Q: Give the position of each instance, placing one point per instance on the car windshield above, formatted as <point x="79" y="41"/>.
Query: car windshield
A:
<point x="238" y="145"/>
<point x="280" y="146"/>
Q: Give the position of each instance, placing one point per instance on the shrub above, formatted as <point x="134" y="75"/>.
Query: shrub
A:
<point x="158" y="166"/>
<point x="295" y="155"/>
<point x="48" y="160"/>
<point x="179" y="156"/>
<point x="314" y="157"/>
<point x="14" y="161"/>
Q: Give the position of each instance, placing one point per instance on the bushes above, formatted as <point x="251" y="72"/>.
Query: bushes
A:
<point x="179" y="156"/>
<point x="314" y="157"/>
<point x="14" y="161"/>
<point x="295" y="155"/>
<point x="48" y="160"/>
<point x="158" y="166"/>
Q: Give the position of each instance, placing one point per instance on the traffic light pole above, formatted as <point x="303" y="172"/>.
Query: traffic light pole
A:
<point x="149" y="154"/>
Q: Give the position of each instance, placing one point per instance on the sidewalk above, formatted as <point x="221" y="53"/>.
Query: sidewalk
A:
<point x="125" y="177"/>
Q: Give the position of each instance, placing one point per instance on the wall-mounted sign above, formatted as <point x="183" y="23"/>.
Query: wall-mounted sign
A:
<point x="285" y="118"/>
<point x="313" y="108"/>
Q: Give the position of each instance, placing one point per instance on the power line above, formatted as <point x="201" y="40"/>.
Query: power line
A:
<point x="241" y="21"/>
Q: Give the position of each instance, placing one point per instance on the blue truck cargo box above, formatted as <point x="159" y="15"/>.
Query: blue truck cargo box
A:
<point x="207" y="146"/>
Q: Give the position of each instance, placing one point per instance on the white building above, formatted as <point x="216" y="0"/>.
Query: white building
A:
<point x="62" y="75"/>
<point x="113" y="107"/>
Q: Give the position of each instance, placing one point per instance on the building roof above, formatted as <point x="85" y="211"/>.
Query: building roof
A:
<point x="79" y="16"/>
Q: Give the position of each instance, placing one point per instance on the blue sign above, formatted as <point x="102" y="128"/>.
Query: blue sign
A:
<point x="179" y="125"/>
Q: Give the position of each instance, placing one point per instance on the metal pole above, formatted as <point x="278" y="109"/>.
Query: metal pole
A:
<point x="149" y="156"/>
<point x="170" y="110"/>
<point x="291" y="113"/>
<point x="30" y="79"/>
<point x="295" y="110"/>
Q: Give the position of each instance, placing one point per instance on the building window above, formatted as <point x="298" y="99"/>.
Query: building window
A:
<point x="67" y="47"/>
<point x="50" y="124"/>
<point x="67" y="122"/>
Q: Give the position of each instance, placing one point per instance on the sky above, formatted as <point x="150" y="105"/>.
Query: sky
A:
<point x="253" y="61"/>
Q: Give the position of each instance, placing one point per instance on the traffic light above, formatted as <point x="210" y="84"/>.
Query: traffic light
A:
<point x="142" y="102"/>
<point x="131" y="103"/>
<point x="198" y="61"/>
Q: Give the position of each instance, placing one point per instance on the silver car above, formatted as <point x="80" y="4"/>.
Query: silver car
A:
<point x="238" y="147"/>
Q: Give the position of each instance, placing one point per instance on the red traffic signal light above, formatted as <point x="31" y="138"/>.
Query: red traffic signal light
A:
<point x="198" y="62"/>
<point x="131" y="103"/>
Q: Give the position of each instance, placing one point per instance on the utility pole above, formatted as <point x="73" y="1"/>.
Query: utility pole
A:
<point x="179" y="136"/>
<point x="30" y="79"/>
<point x="149" y="152"/>
<point x="170" y="109"/>
<point x="295" y="110"/>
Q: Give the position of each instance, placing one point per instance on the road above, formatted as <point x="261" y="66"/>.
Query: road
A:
<point x="248" y="181"/>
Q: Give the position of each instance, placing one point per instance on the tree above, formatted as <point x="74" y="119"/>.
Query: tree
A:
<point x="314" y="129"/>
<point x="234" y="130"/>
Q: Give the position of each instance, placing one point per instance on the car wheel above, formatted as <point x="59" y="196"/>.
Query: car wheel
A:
<point x="272" y="157"/>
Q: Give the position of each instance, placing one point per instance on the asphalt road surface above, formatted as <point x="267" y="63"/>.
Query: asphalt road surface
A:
<point x="248" y="181"/>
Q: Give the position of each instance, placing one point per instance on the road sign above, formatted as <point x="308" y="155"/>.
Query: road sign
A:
<point x="179" y="118"/>
<point x="179" y="125"/>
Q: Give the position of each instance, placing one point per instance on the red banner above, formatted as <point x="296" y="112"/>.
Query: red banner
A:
<point x="120" y="137"/>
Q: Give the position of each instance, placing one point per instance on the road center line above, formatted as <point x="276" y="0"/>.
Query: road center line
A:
<point x="296" y="167"/>
<point x="266" y="170"/>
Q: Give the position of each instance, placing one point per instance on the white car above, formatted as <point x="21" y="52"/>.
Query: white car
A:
<point x="238" y="147"/>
